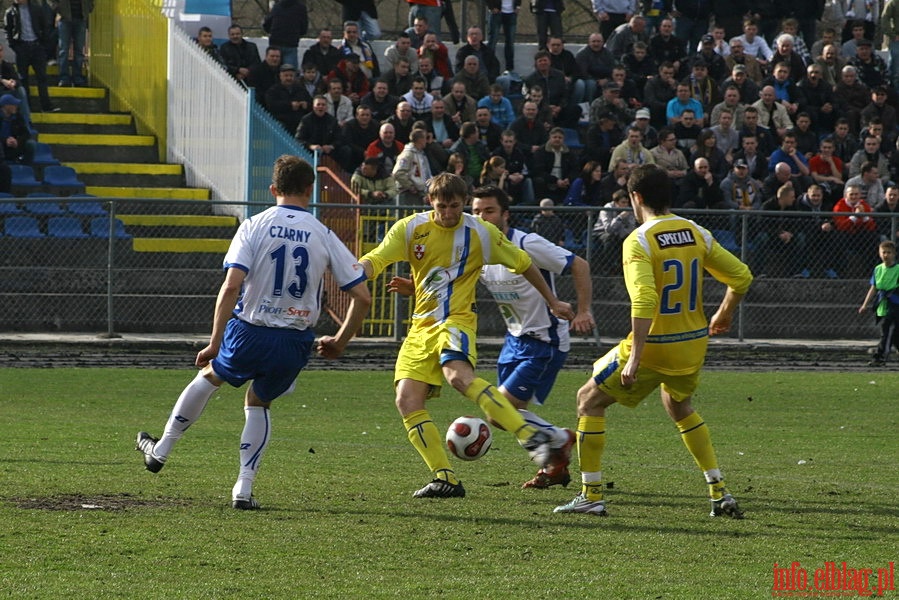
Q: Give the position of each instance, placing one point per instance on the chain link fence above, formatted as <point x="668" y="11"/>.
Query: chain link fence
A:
<point x="117" y="266"/>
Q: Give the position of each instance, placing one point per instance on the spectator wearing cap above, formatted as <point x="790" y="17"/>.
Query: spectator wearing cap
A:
<point x="611" y="103"/>
<point x="683" y="100"/>
<point x="872" y="70"/>
<point x="348" y="72"/>
<point x="738" y="58"/>
<point x="703" y="88"/>
<point x="740" y="190"/>
<point x="714" y="62"/>
<point x="17" y="143"/>
<point x="642" y="122"/>
<point x="880" y="109"/>
<point x="748" y="89"/>
<point x="288" y="100"/>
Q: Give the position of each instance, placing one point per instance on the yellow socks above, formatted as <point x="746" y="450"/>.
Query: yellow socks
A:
<point x="698" y="441"/>
<point x="426" y="439"/>
<point x="498" y="408"/>
<point x="591" y="441"/>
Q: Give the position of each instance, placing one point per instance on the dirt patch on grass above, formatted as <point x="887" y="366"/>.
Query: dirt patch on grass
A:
<point x="107" y="502"/>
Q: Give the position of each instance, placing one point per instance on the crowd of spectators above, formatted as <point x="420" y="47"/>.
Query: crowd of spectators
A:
<point x="760" y="112"/>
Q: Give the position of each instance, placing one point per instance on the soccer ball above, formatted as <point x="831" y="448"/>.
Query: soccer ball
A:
<point x="469" y="438"/>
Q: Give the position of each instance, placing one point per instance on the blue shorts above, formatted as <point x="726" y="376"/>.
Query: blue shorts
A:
<point x="272" y="358"/>
<point x="527" y="367"/>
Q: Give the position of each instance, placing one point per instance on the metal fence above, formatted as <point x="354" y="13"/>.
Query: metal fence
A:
<point x="160" y="272"/>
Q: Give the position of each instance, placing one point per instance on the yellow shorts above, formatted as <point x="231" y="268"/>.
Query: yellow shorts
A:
<point x="421" y="354"/>
<point x="607" y="375"/>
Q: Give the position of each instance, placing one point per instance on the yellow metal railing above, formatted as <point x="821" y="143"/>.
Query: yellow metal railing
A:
<point x="129" y="56"/>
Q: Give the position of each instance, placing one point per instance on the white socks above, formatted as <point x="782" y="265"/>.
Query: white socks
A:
<point x="559" y="437"/>
<point x="186" y="411"/>
<point x="253" y="441"/>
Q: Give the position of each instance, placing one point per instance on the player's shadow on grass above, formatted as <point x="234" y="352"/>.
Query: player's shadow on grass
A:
<point x="611" y="524"/>
<point x="760" y="506"/>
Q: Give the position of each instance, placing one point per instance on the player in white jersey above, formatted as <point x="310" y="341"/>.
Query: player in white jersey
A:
<point x="537" y="342"/>
<point x="278" y="260"/>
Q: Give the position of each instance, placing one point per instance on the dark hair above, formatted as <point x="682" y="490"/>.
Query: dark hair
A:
<point x="292" y="175"/>
<point x="542" y="54"/>
<point x="868" y="166"/>
<point x="653" y="185"/>
<point x="492" y="191"/>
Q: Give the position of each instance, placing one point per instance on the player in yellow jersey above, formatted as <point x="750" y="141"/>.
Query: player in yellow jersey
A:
<point x="445" y="249"/>
<point x="664" y="262"/>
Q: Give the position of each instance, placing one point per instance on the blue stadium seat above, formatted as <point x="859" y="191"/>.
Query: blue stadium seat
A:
<point x="572" y="139"/>
<point x="23" y="177"/>
<point x="727" y="240"/>
<point x="62" y="178"/>
<point x="65" y="228"/>
<point x="9" y="208"/>
<point x="43" y="155"/>
<point x="36" y="207"/>
<point x="22" y="227"/>
<point x="100" y="228"/>
<point x="85" y="208"/>
<point x="573" y="244"/>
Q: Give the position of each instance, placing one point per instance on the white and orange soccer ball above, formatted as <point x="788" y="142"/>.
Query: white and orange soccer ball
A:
<point x="469" y="438"/>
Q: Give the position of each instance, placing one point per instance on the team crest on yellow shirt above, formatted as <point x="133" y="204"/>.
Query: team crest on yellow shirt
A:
<point x="419" y="251"/>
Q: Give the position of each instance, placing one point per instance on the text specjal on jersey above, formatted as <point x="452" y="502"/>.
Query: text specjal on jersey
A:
<point x="294" y="235"/>
<point x="670" y="239"/>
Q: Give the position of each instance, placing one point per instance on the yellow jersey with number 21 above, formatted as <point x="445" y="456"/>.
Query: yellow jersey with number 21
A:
<point x="665" y="260"/>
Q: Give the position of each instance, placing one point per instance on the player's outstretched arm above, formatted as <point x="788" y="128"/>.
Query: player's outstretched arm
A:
<point x="333" y="346"/>
<point x="224" y="307"/>
<point x="583" y="321"/>
<point x="724" y="316"/>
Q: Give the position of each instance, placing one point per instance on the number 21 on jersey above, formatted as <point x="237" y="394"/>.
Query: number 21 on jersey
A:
<point x="684" y="288"/>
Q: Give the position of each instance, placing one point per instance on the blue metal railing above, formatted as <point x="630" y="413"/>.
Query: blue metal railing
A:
<point x="267" y="140"/>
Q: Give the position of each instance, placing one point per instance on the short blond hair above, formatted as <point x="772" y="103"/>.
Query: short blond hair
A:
<point x="447" y="186"/>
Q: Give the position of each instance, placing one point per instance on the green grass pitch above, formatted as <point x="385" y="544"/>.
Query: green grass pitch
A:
<point x="811" y="456"/>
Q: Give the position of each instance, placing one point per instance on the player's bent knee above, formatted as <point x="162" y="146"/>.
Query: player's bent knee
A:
<point x="588" y="399"/>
